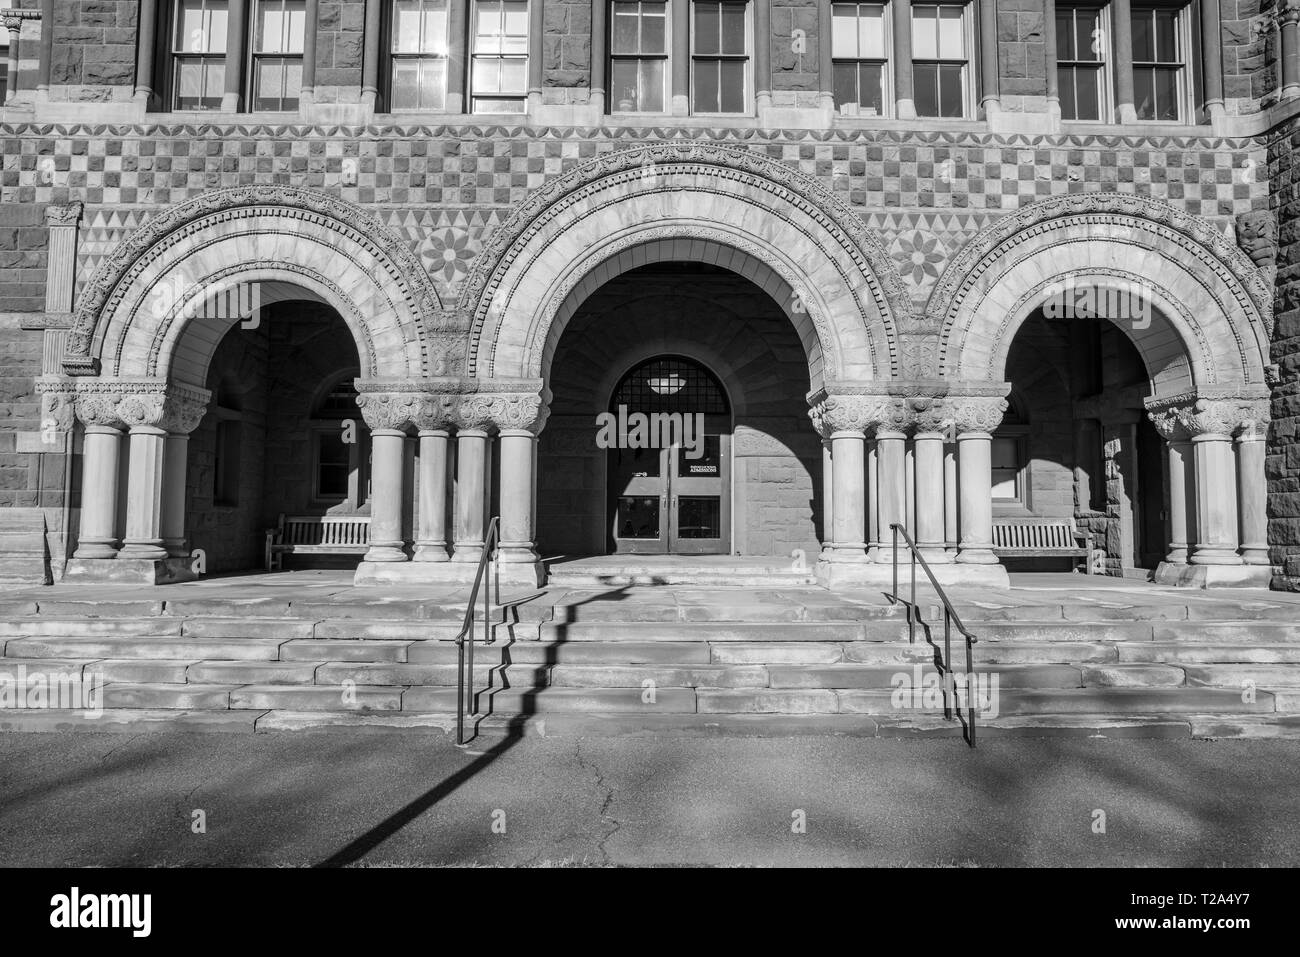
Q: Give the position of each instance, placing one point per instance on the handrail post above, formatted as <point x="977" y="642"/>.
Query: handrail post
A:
<point x="911" y="618"/>
<point x="951" y="689"/>
<point x="970" y="704"/>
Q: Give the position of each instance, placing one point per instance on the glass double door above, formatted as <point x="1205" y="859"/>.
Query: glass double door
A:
<point x="673" y="500"/>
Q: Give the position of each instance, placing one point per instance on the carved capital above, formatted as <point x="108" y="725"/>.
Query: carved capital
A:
<point x="68" y="215"/>
<point x="976" y="413"/>
<point x="388" y="410"/>
<point x="929" y="415"/>
<point x="435" y="412"/>
<point x="1169" y="425"/>
<point x="125" y="404"/>
<point x="183" y="413"/>
<point x="511" y="411"/>
<point x="58" y="407"/>
<point x="1210" y="417"/>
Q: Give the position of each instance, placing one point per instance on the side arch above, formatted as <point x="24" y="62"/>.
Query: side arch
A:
<point x="135" y="318"/>
<point x="735" y="208"/>
<point x="1212" y="314"/>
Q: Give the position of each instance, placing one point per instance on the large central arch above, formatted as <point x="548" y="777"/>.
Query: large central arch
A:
<point x="292" y="243"/>
<point x="735" y="208"/>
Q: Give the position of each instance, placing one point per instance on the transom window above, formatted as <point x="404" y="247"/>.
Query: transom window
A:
<point x="199" y="54"/>
<point x="279" y="30"/>
<point x="1159" y="62"/>
<point x="1081" y="62"/>
<point x="499" y="73"/>
<point x="860" y="58"/>
<point x="940" y="60"/>
<point x="720" y="56"/>
<point x="638" y="47"/>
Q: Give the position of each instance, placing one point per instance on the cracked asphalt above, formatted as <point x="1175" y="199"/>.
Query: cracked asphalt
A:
<point x="347" y="797"/>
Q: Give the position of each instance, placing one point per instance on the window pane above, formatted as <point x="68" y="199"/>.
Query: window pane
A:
<point x="189" y="83"/>
<point x="295" y="25"/>
<point x="706" y="87"/>
<point x="950" y="90"/>
<point x="638" y="517"/>
<point x="871" y="33"/>
<point x="699" y="517"/>
<point x="1166" y="92"/>
<point x="516" y="19"/>
<point x="625" y="28"/>
<point x="1089" y="93"/>
<point x="925" y="33"/>
<point x="733" y="86"/>
<point x="846" y="83"/>
<point x="216" y="26"/>
<point x="707" y="26"/>
<point x="925" y="80"/>
<point x="1064" y="34"/>
<point x="871" y="89"/>
<point x="1005" y="453"/>
<point x="269" y="80"/>
<point x="514" y="76"/>
<point x="487" y="75"/>
<point x="292" y="83"/>
<point x="1144" y="92"/>
<point x="652" y="86"/>
<point x="1065" y="84"/>
<point x="1144" y="48"/>
<point x="406" y="26"/>
<point x="952" y="41"/>
<point x="844" y="31"/>
<point x="623" y="89"/>
<point x="1167" y="36"/>
<point x="1090" y="39"/>
<point x="270" y="28"/>
<point x="733" y="28"/>
<point x="498" y="106"/>
<point x="214" y="83"/>
<point x="653" y="28"/>
<point x="406" y="82"/>
<point x="434" y="37"/>
<point x="1004" y="485"/>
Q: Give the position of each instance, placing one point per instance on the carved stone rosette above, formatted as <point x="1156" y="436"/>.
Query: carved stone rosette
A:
<point x="976" y="413"/>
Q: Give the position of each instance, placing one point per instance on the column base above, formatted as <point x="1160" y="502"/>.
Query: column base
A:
<point x="529" y="575"/>
<point x="133" y="571"/>
<point x="385" y="553"/>
<point x="1213" y="576"/>
<point x="976" y="556"/>
<point x="1255" y="555"/>
<point x="842" y="576"/>
<point x="431" y="552"/>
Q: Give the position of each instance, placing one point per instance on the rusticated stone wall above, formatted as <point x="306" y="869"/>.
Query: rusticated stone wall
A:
<point x="1283" y="461"/>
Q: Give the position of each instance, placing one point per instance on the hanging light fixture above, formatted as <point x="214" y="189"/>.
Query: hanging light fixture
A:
<point x="669" y="384"/>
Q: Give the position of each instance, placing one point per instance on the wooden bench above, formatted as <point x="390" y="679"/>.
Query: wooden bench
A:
<point x="316" y="535"/>
<point x="1041" y="538"/>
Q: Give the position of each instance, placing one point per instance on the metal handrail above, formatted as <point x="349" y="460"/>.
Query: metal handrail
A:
<point x="465" y="639"/>
<point x="950" y="617"/>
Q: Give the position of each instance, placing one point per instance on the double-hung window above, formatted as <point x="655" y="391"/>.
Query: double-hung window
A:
<point x="720" y="56"/>
<point x="418" y="43"/>
<point x="941" y="43"/>
<point x="860" y="58"/>
<point x="199" y="54"/>
<point x="279" y="28"/>
<point x="499" y="72"/>
<point x="1160" y="74"/>
<point x="1081" y="58"/>
<point x="638" y="50"/>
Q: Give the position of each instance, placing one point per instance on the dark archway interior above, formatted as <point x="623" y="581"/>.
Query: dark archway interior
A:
<point x="273" y="440"/>
<point x="728" y="324"/>
<point x="1077" y="440"/>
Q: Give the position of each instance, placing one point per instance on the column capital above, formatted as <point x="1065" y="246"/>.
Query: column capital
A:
<point x="851" y="412"/>
<point x="389" y="411"/>
<point x="1169" y="425"/>
<point x="1289" y="11"/>
<point x="978" y="414"/>
<point x="503" y="411"/>
<point x="127" y="403"/>
<point x="67" y="215"/>
<point x="1226" y="415"/>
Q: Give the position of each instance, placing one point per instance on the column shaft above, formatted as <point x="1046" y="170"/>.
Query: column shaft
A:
<point x="825" y="65"/>
<point x="598" y="66"/>
<point x="762" y="53"/>
<point x="975" y="478"/>
<point x="1290" y="56"/>
<point x="951" y="532"/>
<point x="175" y="473"/>
<point x="1216" y="501"/>
<point x="387" y="448"/>
<point x="873" y="501"/>
<point x="891" y="484"/>
<point x="145" y="42"/>
<point x="47" y="47"/>
<point x="904" y="99"/>
<point x="370" y="52"/>
<point x="431" y="537"/>
<point x="990" y="98"/>
<point x="828" y="498"/>
<point x="849" y="507"/>
<point x="457" y="27"/>
<point x="308" y="84"/>
<point x="1182" y="497"/>
<point x="930" y="496"/>
<point x="681" y="57"/>
<point x="144" y="495"/>
<point x="1252" y="497"/>
<point x="1122" y="25"/>
<point x="1212" y="57"/>
<point x="518" y="451"/>
<point x="471" y="494"/>
<point x="1049" y="49"/>
<point x="98" y="534"/>
<point x="11" y="83"/>
<point x="536" y="29"/>
<point x="235" y="44"/>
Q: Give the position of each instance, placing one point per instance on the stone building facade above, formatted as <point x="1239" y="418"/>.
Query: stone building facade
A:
<point x="945" y="265"/>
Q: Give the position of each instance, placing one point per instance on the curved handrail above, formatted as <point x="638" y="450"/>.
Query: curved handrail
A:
<point x="489" y="546"/>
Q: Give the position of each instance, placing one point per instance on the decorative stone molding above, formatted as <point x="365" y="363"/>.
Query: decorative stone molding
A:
<point x="519" y="412"/>
<point x="183" y="413"/>
<point x="930" y="415"/>
<point x="622" y="171"/>
<point x="389" y="410"/>
<point x="1169" y="425"/>
<point x="1187" y="416"/>
<point x="1257" y="236"/>
<point x="434" y="412"/>
<point x="58" y="404"/>
<point x="125" y="403"/>
<point x="839" y="412"/>
<point x="1170" y="226"/>
<point x="397" y="265"/>
<point x="976" y="413"/>
<point x="68" y="215"/>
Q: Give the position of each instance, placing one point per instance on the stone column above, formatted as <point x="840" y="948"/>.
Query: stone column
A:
<point x="1122" y="25"/>
<point x="47" y="50"/>
<point x="13" y="22"/>
<point x="1211" y="424"/>
<point x="681" y="57"/>
<point x="99" y="472"/>
<point x="599" y="29"/>
<point x="235" y="44"/>
<point x="473" y="424"/>
<point x="307" y="88"/>
<point x="763" y="54"/>
<point x="990" y="99"/>
<point x="843" y="419"/>
<point x="519" y="419"/>
<point x="1212" y="58"/>
<point x="891" y="450"/>
<point x="386" y="416"/>
<point x="457" y="28"/>
<point x="904" y="98"/>
<point x="825" y="64"/>
<point x="1182" y="494"/>
<point x="145" y="41"/>
<point x="536" y="30"/>
<point x="181" y="417"/>
<point x="144" y="494"/>
<point x="433" y="422"/>
<point x="975" y="418"/>
<point x="873" y="502"/>
<point x="1290" y="29"/>
<point x="1049" y="60"/>
<point x="370" y="56"/>
<point x="929" y="494"/>
<point x="1252" y="485"/>
<point x="951" y="534"/>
